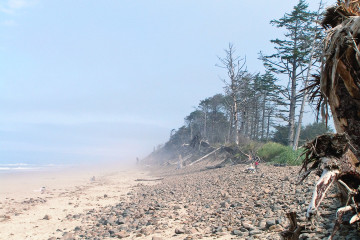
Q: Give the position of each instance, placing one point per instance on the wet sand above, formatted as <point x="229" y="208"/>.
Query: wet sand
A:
<point x="26" y="212"/>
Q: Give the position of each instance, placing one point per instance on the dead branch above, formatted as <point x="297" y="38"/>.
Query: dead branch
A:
<point x="207" y="155"/>
<point x="294" y="230"/>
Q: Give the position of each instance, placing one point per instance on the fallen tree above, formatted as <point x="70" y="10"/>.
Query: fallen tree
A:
<point x="336" y="157"/>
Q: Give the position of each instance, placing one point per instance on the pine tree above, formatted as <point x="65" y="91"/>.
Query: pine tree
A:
<point x="292" y="55"/>
<point x="270" y="100"/>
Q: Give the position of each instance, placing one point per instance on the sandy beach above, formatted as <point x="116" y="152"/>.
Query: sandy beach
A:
<point x="37" y="205"/>
<point x="196" y="202"/>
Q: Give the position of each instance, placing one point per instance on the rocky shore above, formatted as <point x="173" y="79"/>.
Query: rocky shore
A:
<point x="201" y="203"/>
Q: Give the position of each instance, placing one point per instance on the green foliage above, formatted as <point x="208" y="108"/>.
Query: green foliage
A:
<point x="278" y="153"/>
<point x="280" y="134"/>
<point x="210" y="120"/>
<point x="312" y="130"/>
<point x="307" y="133"/>
<point x="289" y="157"/>
<point x="250" y="146"/>
<point x="271" y="150"/>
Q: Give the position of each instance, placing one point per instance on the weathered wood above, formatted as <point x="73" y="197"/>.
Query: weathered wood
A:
<point x="207" y="155"/>
<point x="294" y="230"/>
<point x="148" y="180"/>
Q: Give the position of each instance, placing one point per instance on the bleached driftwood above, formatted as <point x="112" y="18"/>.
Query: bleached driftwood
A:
<point x="207" y="155"/>
<point x="148" y="180"/>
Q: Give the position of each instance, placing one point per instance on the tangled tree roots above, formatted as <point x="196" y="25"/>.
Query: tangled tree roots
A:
<point x="336" y="157"/>
<point x="331" y="158"/>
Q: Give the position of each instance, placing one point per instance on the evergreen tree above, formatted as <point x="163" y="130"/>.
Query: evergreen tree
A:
<point x="292" y="55"/>
<point x="270" y="101"/>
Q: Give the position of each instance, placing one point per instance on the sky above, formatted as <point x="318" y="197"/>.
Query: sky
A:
<point x="87" y="80"/>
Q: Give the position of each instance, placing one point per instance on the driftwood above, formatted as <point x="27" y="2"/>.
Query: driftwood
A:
<point x="294" y="230"/>
<point x="148" y="180"/>
<point x="207" y="155"/>
<point x="331" y="158"/>
<point x="336" y="157"/>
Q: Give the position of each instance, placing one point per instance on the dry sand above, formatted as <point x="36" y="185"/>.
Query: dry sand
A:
<point x="28" y="213"/>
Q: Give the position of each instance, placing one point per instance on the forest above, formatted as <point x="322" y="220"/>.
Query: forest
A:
<point x="264" y="107"/>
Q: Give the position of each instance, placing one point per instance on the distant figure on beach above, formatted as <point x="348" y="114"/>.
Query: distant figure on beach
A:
<point x="250" y="169"/>
<point x="256" y="164"/>
<point x="92" y="179"/>
<point x="180" y="162"/>
<point x="42" y="190"/>
<point x="137" y="161"/>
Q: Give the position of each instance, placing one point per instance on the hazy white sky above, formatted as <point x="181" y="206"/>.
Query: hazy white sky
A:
<point x="86" y="80"/>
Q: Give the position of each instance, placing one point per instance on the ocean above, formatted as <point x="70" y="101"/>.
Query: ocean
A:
<point x="26" y="167"/>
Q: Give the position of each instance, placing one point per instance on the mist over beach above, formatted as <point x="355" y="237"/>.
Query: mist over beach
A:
<point x="109" y="81"/>
<point x="179" y="119"/>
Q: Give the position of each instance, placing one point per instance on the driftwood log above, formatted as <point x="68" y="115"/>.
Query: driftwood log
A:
<point x="148" y="180"/>
<point x="336" y="157"/>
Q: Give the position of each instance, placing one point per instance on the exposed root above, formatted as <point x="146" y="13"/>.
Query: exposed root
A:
<point x="329" y="156"/>
<point x="294" y="230"/>
<point x="321" y="187"/>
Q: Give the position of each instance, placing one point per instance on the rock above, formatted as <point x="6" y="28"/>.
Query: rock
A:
<point x="146" y="231"/>
<point x="262" y="225"/>
<point x="179" y="231"/>
<point x="270" y="223"/>
<point x="308" y="236"/>
<point x="120" y="221"/>
<point x="224" y="205"/>
<point x="237" y="232"/>
<point x="246" y="225"/>
<point x="191" y="231"/>
<point x="156" y="238"/>
<point x="188" y="199"/>
<point x="276" y="228"/>
<point x="121" y="234"/>
<point x="47" y="217"/>
<point x="255" y="232"/>
<point x="67" y="236"/>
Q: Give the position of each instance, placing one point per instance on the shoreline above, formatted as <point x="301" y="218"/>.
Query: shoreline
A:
<point x="27" y="212"/>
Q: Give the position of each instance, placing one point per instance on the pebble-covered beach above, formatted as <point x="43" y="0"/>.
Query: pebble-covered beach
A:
<point x="200" y="203"/>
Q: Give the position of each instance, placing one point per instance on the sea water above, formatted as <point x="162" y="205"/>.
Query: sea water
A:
<point x="26" y="167"/>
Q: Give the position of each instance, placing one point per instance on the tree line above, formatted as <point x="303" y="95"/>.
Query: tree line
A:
<point x="256" y="106"/>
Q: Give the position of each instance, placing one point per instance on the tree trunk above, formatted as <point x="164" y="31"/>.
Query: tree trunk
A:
<point x="236" y="130"/>
<point x="191" y="131"/>
<point x="299" y="123"/>
<point x="340" y="81"/>
<point x="292" y="107"/>
<point x="263" y="117"/>
<point x="231" y="126"/>
<point x="268" y="125"/>
<point x="293" y="95"/>
<point x="337" y="155"/>
<point x="205" y="120"/>
<point x="256" y="121"/>
<point x="305" y="92"/>
<point x="246" y="122"/>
